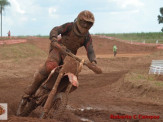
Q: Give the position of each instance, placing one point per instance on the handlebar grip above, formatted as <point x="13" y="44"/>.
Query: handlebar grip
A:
<point x="96" y="69"/>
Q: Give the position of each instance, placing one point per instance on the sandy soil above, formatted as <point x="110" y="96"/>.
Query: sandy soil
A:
<point x="98" y="96"/>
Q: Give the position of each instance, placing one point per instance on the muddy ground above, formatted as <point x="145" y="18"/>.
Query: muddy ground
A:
<point x="117" y="91"/>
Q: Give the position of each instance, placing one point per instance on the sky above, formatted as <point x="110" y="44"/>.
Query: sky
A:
<point x="38" y="17"/>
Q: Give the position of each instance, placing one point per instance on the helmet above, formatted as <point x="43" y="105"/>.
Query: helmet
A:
<point x="86" y="16"/>
<point x="84" y="22"/>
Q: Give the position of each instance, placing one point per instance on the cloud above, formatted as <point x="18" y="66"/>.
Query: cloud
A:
<point x="124" y="12"/>
<point x="17" y="6"/>
<point x="23" y="19"/>
<point x="128" y="3"/>
<point x="33" y="19"/>
<point x="52" y="12"/>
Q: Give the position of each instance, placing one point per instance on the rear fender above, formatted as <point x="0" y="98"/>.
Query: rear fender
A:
<point x="73" y="79"/>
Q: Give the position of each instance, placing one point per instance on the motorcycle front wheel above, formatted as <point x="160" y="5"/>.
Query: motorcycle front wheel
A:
<point x="58" y="107"/>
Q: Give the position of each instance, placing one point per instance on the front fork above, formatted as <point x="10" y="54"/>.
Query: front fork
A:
<point x="50" y="98"/>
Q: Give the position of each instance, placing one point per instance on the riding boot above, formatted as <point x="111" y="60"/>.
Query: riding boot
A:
<point x="38" y="80"/>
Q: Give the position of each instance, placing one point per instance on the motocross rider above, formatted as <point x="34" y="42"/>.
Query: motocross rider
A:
<point x="74" y="35"/>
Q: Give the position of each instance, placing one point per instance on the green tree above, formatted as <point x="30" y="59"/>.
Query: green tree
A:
<point x="3" y="4"/>
<point x="160" y="18"/>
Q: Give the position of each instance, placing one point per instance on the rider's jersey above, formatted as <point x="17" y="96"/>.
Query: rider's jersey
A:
<point x="72" y="41"/>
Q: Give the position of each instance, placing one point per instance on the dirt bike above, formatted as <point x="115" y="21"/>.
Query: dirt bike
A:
<point x="52" y="95"/>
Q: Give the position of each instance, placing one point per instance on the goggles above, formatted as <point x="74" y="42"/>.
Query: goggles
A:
<point x="85" y="24"/>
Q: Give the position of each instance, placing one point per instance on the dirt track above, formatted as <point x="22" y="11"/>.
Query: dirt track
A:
<point x="98" y="96"/>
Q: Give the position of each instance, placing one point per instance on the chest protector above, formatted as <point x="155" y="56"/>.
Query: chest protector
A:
<point x="72" y="41"/>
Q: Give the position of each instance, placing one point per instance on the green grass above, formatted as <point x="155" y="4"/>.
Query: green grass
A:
<point x="138" y="37"/>
<point x="40" y="36"/>
<point x="140" y="78"/>
<point x="15" y="37"/>
<point x="159" y="84"/>
<point x="23" y="37"/>
<point x="19" y="51"/>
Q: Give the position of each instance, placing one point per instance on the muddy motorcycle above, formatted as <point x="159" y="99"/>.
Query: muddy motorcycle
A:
<point x="52" y="95"/>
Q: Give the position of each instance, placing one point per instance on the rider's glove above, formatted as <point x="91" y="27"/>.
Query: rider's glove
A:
<point x="54" y="39"/>
<point x="59" y="46"/>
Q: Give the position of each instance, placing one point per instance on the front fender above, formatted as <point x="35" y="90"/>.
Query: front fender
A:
<point x="73" y="79"/>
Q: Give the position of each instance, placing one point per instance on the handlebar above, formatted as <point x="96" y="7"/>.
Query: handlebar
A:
<point x="91" y="66"/>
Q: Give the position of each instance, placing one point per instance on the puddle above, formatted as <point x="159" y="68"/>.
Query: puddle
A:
<point x="86" y="120"/>
<point x="85" y="108"/>
<point x="86" y="113"/>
